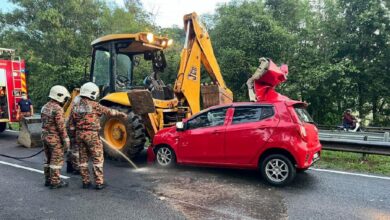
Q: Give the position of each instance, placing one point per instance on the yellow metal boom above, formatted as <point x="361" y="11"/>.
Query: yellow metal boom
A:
<point x="197" y="49"/>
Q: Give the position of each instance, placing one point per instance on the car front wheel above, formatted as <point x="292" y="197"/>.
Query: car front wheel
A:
<point x="165" y="157"/>
<point x="277" y="170"/>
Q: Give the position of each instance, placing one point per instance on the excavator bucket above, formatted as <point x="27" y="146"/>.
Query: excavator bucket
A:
<point x="214" y="95"/>
<point x="141" y="101"/>
<point x="30" y="132"/>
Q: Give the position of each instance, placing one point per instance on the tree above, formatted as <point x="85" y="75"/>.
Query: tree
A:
<point x="54" y="38"/>
<point x="242" y="33"/>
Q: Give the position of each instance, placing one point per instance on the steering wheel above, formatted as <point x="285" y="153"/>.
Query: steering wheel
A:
<point x="121" y="81"/>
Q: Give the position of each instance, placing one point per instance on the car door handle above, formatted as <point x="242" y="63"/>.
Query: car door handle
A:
<point x="216" y="132"/>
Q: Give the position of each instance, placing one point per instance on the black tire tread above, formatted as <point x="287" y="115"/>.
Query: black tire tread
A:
<point x="136" y="134"/>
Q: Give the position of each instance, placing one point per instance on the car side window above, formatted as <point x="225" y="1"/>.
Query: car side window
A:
<point x="208" y="119"/>
<point x="247" y="114"/>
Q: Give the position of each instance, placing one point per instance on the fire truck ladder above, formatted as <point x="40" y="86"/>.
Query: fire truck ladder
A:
<point x="16" y="77"/>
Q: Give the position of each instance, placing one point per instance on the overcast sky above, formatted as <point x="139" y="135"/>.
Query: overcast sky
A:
<point x="170" y="12"/>
<point x="167" y="12"/>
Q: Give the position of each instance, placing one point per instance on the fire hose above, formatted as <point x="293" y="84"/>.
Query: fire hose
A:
<point x="37" y="153"/>
<point x="21" y="158"/>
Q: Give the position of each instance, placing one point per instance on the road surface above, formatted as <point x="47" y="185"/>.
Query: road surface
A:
<point x="185" y="193"/>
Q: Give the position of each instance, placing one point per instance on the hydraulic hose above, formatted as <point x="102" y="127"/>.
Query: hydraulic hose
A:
<point x="21" y="158"/>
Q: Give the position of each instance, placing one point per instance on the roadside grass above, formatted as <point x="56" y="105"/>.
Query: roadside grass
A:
<point x="354" y="162"/>
<point x="14" y="126"/>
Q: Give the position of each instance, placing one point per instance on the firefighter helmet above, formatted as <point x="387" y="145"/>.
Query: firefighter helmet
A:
<point x="89" y="90"/>
<point x="59" y="94"/>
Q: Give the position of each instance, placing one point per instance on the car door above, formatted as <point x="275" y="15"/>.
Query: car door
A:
<point x="204" y="138"/>
<point x="250" y="128"/>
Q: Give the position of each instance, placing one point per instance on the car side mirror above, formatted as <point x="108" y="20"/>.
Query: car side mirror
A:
<point x="180" y="126"/>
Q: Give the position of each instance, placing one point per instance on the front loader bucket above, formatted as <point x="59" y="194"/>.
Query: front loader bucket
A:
<point x="30" y="132"/>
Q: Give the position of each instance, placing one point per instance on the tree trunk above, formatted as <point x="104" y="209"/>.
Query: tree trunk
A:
<point x="360" y="99"/>
<point x="375" y="110"/>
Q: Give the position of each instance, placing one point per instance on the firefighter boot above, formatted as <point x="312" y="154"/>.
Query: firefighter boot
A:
<point x="100" y="186"/>
<point x="61" y="184"/>
<point x="87" y="185"/>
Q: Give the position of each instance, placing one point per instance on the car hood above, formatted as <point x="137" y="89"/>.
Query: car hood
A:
<point x="165" y="133"/>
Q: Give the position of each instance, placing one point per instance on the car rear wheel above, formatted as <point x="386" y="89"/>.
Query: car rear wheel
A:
<point x="277" y="170"/>
<point x="165" y="157"/>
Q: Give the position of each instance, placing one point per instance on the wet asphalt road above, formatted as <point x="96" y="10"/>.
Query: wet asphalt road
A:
<point x="185" y="192"/>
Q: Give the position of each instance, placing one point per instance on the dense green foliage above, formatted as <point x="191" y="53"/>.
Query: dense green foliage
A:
<point x="337" y="50"/>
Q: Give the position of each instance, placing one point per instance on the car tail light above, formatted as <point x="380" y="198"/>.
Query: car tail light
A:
<point x="302" y="132"/>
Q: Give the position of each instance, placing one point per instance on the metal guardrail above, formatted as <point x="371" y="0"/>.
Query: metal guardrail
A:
<point x="366" y="129"/>
<point x="358" y="142"/>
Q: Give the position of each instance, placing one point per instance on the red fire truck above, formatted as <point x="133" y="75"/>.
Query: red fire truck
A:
<point x="12" y="85"/>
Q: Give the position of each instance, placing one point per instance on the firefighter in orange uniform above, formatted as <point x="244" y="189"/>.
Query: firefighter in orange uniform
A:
<point x="86" y="121"/>
<point x="54" y="136"/>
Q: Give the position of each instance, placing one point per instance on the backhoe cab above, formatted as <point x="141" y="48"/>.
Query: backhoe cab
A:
<point x="115" y="57"/>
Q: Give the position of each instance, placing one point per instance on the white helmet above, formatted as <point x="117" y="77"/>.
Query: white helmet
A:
<point x="89" y="90"/>
<point x="59" y="93"/>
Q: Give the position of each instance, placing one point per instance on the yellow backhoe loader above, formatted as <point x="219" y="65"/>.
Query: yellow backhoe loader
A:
<point x="153" y="105"/>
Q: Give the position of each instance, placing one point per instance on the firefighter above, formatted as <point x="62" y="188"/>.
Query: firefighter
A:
<point x="73" y="157"/>
<point x="54" y="136"/>
<point x="86" y="118"/>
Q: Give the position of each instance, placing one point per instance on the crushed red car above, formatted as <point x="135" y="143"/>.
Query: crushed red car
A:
<point x="274" y="134"/>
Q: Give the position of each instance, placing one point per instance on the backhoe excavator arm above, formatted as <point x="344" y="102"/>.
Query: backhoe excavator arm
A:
<point x="198" y="50"/>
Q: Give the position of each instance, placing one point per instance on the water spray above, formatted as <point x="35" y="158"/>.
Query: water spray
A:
<point x="119" y="152"/>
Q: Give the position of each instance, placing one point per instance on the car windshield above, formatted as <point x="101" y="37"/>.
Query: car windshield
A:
<point x="101" y="74"/>
<point x="303" y="115"/>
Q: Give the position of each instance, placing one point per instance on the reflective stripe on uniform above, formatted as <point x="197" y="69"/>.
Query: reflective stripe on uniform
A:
<point x="76" y="154"/>
<point x="100" y="165"/>
<point x="83" y="165"/>
<point x="55" y="167"/>
<point x="46" y="165"/>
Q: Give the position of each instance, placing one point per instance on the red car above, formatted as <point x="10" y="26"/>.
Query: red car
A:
<point x="279" y="138"/>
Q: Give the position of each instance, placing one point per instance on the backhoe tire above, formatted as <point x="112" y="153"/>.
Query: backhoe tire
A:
<point x="3" y="126"/>
<point x="125" y="134"/>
